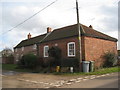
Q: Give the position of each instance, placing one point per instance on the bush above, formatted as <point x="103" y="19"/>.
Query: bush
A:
<point x="55" y="53"/>
<point x="41" y="62"/>
<point x="29" y="61"/>
<point x="110" y="59"/>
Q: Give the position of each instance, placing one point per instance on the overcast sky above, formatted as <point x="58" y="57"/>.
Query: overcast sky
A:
<point x="101" y="14"/>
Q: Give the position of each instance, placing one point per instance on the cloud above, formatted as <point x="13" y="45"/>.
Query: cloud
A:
<point x="102" y="14"/>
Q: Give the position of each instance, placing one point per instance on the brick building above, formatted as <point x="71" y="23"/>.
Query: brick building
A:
<point x="94" y="44"/>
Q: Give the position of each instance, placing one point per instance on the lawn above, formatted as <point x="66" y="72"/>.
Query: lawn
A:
<point x="12" y="67"/>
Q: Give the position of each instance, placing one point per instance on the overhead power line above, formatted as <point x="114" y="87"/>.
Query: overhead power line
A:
<point x="29" y="18"/>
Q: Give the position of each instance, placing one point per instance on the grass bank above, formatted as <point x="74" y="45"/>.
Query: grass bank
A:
<point x="96" y="72"/>
<point x="12" y="67"/>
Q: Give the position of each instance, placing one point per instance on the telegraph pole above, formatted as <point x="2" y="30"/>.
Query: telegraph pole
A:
<point x="79" y="37"/>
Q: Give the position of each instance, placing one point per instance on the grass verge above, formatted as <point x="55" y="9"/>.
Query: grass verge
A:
<point x="12" y="67"/>
<point x="97" y="72"/>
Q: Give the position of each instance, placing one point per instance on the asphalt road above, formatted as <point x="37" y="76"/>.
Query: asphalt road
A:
<point x="109" y="81"/>
<point x="28" y="80"/>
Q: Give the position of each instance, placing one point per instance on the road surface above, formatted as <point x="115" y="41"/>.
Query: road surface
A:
<point x="29" y="80"/>
<point x="108" y="81"/>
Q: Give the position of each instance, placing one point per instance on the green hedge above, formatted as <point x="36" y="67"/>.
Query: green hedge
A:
<point x="110" y="59"/>
<point x="28" y="61"/>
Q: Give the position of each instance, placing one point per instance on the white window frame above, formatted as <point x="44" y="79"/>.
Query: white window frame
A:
<point x="22" y="48"/>
<point x="68" y="49"/>
<point x="34" y="46"/>
<point x="44" y="50"/>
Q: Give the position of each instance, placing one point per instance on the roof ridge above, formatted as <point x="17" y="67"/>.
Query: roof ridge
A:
<point x="98" y="31"/>
<point x="65" y="32"/>
<point x="35" y="37"/>
<point x="64" y="27"/>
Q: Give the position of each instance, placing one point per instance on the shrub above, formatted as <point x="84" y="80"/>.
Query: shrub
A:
<point x="110" y="59"/>
<point x="29" y="61"/>
<point x="55" y="53"/>
<point x="41" y="62"/>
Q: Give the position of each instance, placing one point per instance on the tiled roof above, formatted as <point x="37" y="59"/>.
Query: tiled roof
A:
<point x="65" y="32"/>
<point x="71" y="31"/>
<point x="30" y="41"/>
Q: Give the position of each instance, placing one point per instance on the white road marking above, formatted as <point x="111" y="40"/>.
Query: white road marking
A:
<point x="27" y="80"/>
<point x="92" y="78"/>
<point x="79" y="78"/>
<point x="51" y="84"/>
<point x="46" y="83"/>
<point x="34" y="82"/>
<point x="85" y="79"/>
<point x="72" y="80"/>
<point x="98" y="76"/>
<point x="68" y="83"/>
<point x="41" y="82"/>
<point x="78" y="81"/>
<point x="57" y="85"/>
<point x="92" y="75"/>
<point x="103" y="75"/>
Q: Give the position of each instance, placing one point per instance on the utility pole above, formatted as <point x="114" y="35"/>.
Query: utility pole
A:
<point x="79" y="37"/>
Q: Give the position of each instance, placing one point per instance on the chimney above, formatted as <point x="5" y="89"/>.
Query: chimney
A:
<point x="49" y="29"/>
<point x="90" y="26"/>
<point x="29" y="36"/>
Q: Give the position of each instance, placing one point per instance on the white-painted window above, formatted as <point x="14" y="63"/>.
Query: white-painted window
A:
<point x="71" y="48"/>
<point x="22" y="48"/>
<point x="46" y="48"/>
<point x="34" y="46"/>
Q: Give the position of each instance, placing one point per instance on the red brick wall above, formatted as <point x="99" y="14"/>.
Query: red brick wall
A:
<point x="92" y="48"/>
<point x="95" y="48"/>
<point x="8" y="60"/>
<point x="62" y="44"/>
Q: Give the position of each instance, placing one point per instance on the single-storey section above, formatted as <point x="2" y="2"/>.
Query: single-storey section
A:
<point x="94" y="44"/>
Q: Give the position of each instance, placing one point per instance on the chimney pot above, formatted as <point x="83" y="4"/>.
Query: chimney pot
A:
<point x="49" y="29"/>
<point x="29" y="36"/>
<point x="90" y="26"/>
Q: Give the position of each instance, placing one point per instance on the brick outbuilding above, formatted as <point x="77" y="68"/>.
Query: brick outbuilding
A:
<point x="94" y="44"/>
